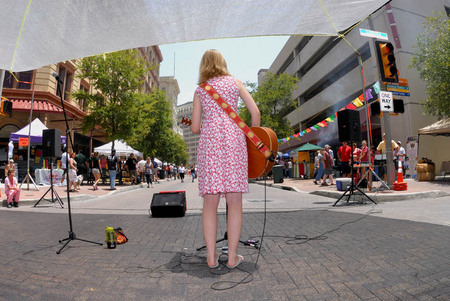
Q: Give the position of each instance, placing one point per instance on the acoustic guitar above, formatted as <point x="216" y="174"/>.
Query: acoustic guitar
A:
<point x="258" y="164"/>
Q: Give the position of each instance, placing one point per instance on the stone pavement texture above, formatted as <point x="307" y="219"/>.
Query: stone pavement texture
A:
<point x="310" y="252"/>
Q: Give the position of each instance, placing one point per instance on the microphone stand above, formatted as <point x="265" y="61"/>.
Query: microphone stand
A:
<point x="72" y="235"/>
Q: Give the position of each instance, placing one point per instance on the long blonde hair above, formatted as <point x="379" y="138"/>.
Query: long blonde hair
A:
<point x="212" y="64"/>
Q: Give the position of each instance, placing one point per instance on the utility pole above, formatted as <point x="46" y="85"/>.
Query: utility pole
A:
<point x="2" y="77"/>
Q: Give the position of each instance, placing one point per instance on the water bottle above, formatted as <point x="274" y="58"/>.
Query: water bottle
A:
<point x="110" y="237"/>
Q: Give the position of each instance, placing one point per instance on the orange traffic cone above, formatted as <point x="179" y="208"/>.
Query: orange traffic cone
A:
<point x="400" y="171"/>
<point x="400" y="185"/>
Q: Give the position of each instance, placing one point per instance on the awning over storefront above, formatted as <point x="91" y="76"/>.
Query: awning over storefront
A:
<point x="38" y="106"/>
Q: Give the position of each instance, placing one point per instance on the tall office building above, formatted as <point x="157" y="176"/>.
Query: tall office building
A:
<point x="330" y="76"/>
<point x="185" y="110"/>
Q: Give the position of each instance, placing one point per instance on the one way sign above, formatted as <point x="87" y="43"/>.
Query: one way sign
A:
<point x="386" y="102"/>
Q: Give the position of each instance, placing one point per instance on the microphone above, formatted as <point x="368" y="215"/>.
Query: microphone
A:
<point x="55" y="75"/>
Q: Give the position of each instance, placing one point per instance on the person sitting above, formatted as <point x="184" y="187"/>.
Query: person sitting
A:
<point x="9" y="166"/>
<point x="12" y="189"/>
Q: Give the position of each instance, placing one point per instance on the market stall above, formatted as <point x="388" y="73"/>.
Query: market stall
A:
<point x="430" y="136"/>
<point x="121" y="147"/>
<point x="302" y="160"/>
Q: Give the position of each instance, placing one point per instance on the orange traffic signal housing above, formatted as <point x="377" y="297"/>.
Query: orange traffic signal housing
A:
<point x="386" y="61"/>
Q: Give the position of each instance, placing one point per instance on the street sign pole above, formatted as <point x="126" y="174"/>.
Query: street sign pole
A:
<point x="390" y="174"/>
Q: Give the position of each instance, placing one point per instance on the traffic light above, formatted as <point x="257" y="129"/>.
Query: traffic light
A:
<point x="386" y="61"/>
<point x="6" y="107"/>
<point x="399" y="107"/>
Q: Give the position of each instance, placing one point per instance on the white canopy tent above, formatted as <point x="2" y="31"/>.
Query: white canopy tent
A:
<point x="121" y="147"/>
<point x="36" y="132"/>
<point x="39" y="33"/>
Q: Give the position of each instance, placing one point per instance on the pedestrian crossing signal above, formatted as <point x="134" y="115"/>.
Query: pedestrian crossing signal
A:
<point x="386" y="61"/>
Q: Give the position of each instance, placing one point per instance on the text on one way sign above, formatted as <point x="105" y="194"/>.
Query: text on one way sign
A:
<point x="386" y="102"/>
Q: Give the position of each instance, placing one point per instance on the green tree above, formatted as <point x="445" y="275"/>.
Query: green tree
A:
<point x="274" y="100"/>
<point x="117" y="107"/>
<point x="160" y="140"/>
<point x="432" y="60"/>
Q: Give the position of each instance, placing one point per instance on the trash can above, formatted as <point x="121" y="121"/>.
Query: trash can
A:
<point x="277" y="171"/>
<point x="162" y="174"/>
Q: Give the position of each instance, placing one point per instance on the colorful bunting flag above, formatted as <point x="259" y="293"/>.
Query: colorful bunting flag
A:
<point x="357" y="102"/>
<point x="350" y="106"/>
<point x="376" y="87"/>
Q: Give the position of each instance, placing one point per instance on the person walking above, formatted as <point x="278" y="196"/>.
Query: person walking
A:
<point x="113" y="168"/>
<point x="155" y="171"/>
<point x="328" y="166"/>
<point x="193" y="173"/>
<point x="74" y="184"/>
<point x="95" y="168"/>
<point x="318" y="165"/>
<point x="130" y="165"/>
<point x="182" y="170"/>
<point x="148" y="172"/>
<point x="222" y="153"/>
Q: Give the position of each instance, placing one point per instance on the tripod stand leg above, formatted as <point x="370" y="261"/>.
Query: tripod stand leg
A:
<point x="379" y="179"/>
<point x="348" y="189"/>
<point x="67" y="242"/>
<point x="28" y="177"/>
<point x="365" y="195"/>
<point x="58" y="199"/>
<point x="71" y="237"/>
<point x="42" y="197"/>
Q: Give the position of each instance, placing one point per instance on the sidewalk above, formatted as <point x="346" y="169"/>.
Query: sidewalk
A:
<point x="31" y="196"/>
<point x="416" y="190"/>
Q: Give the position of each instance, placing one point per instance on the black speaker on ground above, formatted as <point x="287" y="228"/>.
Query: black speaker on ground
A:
<point x="349" y="126"/>
<point x="51" y="143"/>
<point x="168" y="204"/>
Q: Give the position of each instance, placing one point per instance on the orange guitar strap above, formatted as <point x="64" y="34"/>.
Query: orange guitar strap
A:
<point x="240" y="123"/>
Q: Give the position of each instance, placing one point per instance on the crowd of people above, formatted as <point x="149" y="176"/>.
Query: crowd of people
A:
<point x="99" y="167"/>
<point x="358" y="156"/>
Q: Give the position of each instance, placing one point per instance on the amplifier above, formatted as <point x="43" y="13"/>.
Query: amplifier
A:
<point x="168" y="204"/>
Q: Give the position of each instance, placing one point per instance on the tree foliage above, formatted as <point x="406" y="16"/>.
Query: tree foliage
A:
<point x="161" y="140"/>
<point x="274" y="100"/>
<point x="123" y="112"/>
<point x="432" y="60"/>
<point x="116" y="106"/>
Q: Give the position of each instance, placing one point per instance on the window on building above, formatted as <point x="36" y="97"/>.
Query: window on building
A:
<point x="67" y="78"/>
<point x="15" y="81"/>
<point x="302" y="44"/>
<point x="286" y="64"/>
<point x="85" y="88"/>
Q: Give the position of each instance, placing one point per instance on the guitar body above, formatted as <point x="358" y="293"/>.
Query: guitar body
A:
<point x="257" y="163"/>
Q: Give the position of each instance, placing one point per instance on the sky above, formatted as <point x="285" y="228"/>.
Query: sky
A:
<point x="244" y="57"/>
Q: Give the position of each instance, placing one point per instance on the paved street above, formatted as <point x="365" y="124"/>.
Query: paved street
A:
<point x="356" y="252"/>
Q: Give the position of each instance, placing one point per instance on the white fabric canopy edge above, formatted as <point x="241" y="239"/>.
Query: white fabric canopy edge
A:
<point x="72" y="29"/>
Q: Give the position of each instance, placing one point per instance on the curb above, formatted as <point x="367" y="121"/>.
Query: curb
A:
<point x="379" y="197"/>
<point x="73" y="198"/>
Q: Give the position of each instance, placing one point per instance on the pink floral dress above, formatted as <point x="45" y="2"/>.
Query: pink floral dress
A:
<point x="222" y="157"/>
